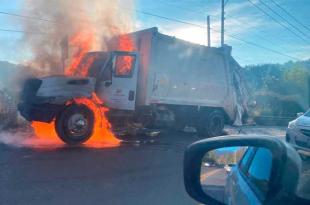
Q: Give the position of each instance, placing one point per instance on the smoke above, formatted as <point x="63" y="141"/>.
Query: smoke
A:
<point x="88" y="25"/>
<point x="25" y="137"/>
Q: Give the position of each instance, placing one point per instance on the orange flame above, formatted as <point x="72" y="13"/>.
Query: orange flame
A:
<point x="125" y="43"/>
<point x="124" y="63"/>
<point x="46" y="131"/>
<point x="102" y="134"/>
<point x="83" y="42"/>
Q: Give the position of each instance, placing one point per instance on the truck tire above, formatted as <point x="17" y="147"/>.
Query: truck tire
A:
<point x="75" y="124"/>
<point x="211" y="124"/>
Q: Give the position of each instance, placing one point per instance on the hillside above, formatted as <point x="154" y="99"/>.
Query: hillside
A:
<point x="12" y="76"/>
<point x="279" y="89"/>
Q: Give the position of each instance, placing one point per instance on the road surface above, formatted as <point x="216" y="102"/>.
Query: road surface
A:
<point x="147" y="173"/>
<point x="213" y="181"/>
<point x="133" y="173"/>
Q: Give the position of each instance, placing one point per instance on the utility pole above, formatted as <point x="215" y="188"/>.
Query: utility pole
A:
<point x="209" y="37"/>
<point x="222" y="23"/>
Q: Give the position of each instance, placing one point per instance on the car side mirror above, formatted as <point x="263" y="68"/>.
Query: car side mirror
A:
<point x="299" y="114"/>
<point x="240" y="163"/>
<point x="107" y="83"/>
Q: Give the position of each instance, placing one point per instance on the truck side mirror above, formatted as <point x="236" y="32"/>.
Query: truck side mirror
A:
<point x="107" y="83"/>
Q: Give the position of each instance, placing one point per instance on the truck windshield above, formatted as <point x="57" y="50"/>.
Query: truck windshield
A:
<point x="123" y="65"/>
<point x="98" y="62"/>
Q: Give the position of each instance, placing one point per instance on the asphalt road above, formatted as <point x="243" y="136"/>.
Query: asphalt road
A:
<point x="213" y="181"/>
<point x="147" y="173"/>
<point x="150" y="172"/>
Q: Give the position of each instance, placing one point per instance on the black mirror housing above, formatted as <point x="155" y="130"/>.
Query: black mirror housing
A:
<point x="285" y="172"/>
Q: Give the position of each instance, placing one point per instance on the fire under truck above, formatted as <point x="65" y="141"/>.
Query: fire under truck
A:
<point x="165" y="81"/>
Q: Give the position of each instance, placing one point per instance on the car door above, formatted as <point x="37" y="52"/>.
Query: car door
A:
<point x="251" y="183"/>
<point x="118" y="85"/>
<point x="237" y="184"/>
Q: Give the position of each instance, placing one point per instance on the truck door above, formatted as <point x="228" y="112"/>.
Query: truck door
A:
<point x="119" y="90"/>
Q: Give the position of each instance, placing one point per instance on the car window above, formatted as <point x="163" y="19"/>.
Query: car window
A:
<point x="124" y="65"/>
<point x="246" y="159"/>
<point x="98" y="63"/>
<point x="260" y="170"/>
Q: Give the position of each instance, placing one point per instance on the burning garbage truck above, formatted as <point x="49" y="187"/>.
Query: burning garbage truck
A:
<point x="160" y="81"/>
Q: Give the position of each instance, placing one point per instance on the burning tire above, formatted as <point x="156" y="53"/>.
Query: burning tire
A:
<point x="211" y="124"/>
<point x="75" y="124"/>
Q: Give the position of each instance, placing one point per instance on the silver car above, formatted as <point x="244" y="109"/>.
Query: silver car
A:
<point x="298" y="133"/>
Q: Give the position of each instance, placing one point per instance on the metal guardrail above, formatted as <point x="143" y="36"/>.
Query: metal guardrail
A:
<point x="275" y="117"/>
<point x="273" y="120"/>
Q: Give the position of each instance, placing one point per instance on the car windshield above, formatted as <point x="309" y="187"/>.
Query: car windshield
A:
<point x="99" y="100"/>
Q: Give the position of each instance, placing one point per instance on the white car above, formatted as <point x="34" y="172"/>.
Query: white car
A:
<point x="298" y="133"/>
<point x="227" y="168"/>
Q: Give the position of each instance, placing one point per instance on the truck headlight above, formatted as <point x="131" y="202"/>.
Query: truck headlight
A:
<point x="292" y="125"/>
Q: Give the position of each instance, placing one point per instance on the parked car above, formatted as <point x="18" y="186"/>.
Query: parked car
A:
<point x="228" y="167"/>
<point x="298" y="133"/>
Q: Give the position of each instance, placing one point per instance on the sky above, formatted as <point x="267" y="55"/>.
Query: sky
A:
<point x="255" y="37"/>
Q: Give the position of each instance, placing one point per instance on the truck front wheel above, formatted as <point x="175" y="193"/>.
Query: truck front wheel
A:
<point x="211" y="124"/>
<point x="75" y="124"/>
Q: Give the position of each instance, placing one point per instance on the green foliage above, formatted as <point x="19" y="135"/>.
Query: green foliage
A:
<point x="210" y="157"/>
<point x="279" y="89"/>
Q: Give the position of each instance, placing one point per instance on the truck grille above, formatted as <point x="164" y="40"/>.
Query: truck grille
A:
<point x="305" y="132"/>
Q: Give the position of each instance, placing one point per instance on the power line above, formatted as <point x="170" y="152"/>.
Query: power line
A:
<point x="240" y="23"/>
<point x="273" y="11"/>
<point x="290" y="15"/>
<point x="20" y="31"/>
<point x="187" y="10"/>
<point x="170" y="19"/>
<point x="226" y="2"/>
<point x="259" y="46"/>
<point x="274" y="19"/>
<point x="229" y="35"/>
<point x="258" y="32"/>
<point x="162" y="17"/>
<point x="27" y="17"/>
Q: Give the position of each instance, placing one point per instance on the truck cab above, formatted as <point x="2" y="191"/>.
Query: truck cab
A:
<point x="116" y="78"/>
<point x="112" y="76"/>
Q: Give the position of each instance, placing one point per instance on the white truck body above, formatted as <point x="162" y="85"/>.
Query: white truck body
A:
<point x="175" y="72"/>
